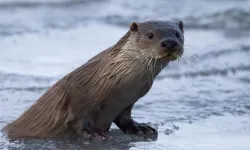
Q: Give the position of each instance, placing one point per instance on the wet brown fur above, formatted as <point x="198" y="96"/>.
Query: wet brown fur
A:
<point x="49" y="116"/>
<point x="80" y="94"/>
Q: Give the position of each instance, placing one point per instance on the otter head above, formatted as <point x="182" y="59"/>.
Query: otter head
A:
<point x="160" y="40"/>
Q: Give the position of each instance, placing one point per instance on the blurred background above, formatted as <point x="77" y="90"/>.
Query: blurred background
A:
<point x="200" y="102"/>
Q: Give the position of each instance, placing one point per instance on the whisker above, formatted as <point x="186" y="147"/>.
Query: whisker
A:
<point x="155" y="64"/>
<point x="186" y="58"/>
<point x="178" y="71"/>
<point x="191" y="55"/>
<point x="151" y="68"/>
<point x="180" y="60"/>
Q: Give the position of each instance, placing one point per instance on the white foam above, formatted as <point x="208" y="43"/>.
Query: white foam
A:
<point x="217" y="133"/>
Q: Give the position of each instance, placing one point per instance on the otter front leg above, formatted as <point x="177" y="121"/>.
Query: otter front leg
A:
<point x="130" y="126"/>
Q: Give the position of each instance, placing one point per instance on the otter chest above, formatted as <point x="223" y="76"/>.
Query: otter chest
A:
<point x="123" y="98"/>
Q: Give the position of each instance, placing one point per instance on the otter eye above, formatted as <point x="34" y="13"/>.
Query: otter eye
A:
<point x="151" y="36"/>
<point x="177" y="34"/>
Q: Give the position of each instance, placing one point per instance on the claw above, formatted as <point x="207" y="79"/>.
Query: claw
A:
<point x="141" y="129"/>
<point x="93" y="133"/>
<point x="98" y="136"/>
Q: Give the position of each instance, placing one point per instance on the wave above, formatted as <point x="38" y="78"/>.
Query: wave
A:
<point x="233" y="18"/>
<point x="7" y="4"/>
<point x="19" y="78"/>
<point x="223" y="52"/>
<point x="30" y="89"/>
<point x="66" y="14"/>
<point x="206" y="73"/>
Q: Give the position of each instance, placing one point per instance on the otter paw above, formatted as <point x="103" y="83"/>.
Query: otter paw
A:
<point x="93" y="133"/>
<point x="140" y="129"/>
<point x="96" y="136"/>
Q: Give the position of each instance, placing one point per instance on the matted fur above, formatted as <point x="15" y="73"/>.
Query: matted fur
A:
<point x="71" y="98"/>
<point x="123" y="72"/>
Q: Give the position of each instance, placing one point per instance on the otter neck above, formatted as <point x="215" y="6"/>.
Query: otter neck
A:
<point x="133" y="65"/>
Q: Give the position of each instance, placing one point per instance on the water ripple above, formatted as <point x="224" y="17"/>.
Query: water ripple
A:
<point x="206" y="73"/>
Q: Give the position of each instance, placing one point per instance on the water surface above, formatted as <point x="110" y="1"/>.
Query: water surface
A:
<point x="199" y="102"/>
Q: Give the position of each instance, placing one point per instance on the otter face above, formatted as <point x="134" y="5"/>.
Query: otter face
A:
<point x="159" y="39"/>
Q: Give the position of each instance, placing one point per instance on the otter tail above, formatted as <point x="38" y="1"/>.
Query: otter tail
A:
<point x="45" y="118"/>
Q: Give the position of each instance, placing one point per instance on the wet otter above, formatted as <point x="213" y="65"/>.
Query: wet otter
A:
<point x="104" y="89"/>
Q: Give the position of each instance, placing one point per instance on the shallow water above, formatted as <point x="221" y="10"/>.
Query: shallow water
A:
<point x="200" y="102"/>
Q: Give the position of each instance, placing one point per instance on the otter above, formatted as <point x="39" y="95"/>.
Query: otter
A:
<point x="104" y="90"/>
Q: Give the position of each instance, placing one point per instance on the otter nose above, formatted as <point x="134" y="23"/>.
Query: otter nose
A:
<point x="169" y="44"/>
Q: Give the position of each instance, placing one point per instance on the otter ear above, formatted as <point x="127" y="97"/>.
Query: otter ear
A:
<point x="134" y="26"/>
<point x="181" y="26"/>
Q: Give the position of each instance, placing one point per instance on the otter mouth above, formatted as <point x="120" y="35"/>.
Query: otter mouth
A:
<point x="171" y="56"/>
